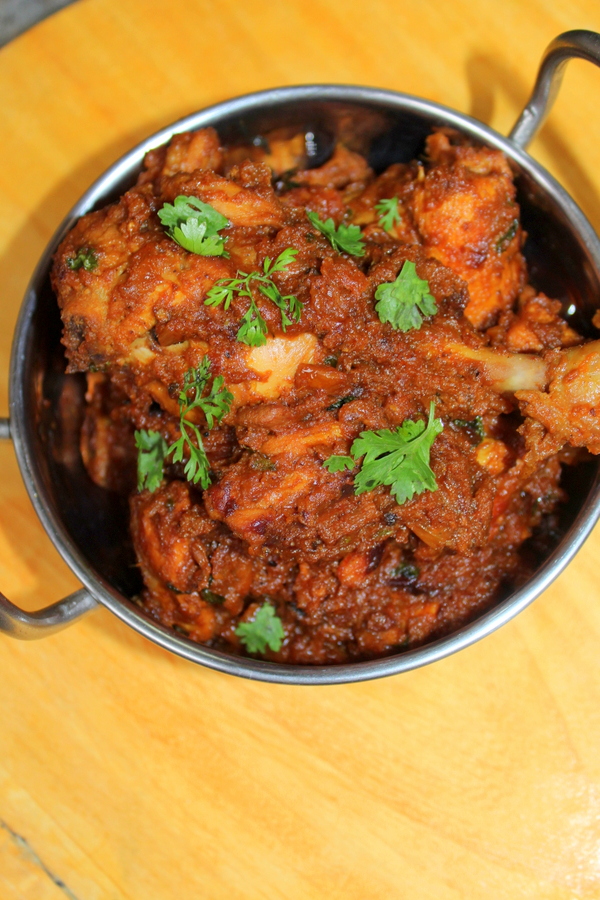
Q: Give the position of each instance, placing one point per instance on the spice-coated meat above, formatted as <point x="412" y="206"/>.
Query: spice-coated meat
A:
<point x="350" y="575"/>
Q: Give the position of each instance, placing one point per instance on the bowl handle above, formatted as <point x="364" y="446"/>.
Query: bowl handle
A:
<point x="578" y="43"/>
<point x="20" y="624"/>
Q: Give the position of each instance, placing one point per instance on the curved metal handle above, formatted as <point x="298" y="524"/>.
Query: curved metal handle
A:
<point x="579" y="43"/>
<point x="28" y="626"/>
<point x="20" y="624"/>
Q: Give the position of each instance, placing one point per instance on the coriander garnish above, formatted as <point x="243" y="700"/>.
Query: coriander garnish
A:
<point x="253" y="328"/>
<point x="404" y="302"/>
<point x="397" y="457"/>
<point x="152" y="447"/>
<point x="264" y="630"/>
<point x="389" y="214"/>
<point x="476" y="425"/>
<point x="505" y="239"/>
<point x="345" y="239"/>
<point x="211" y="597"/>
<point x="339" y="463"/>
<point x="86" y="258"/>
<point x="215" y="405"/>
<point x="195" y="226"/>
<point x="341" y="401"/>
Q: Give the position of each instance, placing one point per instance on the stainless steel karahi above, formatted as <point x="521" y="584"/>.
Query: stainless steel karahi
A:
<point x="89" y="526"/>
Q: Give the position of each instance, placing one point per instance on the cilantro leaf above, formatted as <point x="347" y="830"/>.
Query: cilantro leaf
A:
<point x="211" y="597"/>
<point x="397" y="457"/>
<point x="285" y="258"/>
<point x="264" y="630"/>
<point x="339" y="463"/>
<point x="195" y="378"/>
<point x="405" y="301"/>
<point x="214" y="406"/>
<point x="295" y="307"/>
<point x="86" y="258"/>
<point x="197" y="468"/>
<point x="185" y="208"/>
<point x="476" y="425"/>
<point x="195" y="226"/>
<point x="253" y="328"/>
<point x="288" y="304"/>
<point x="345" y="239"/>
<point x="152" y="449"/>
<point x="505" y="239"/>
<point x="389" y="214"/>
<point x="192" y="236"/>
<point x="223" y="291"/>
<point x="217" y="402"/>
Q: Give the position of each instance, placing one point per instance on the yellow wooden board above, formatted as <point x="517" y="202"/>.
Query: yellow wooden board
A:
<point x="126" y="772"/>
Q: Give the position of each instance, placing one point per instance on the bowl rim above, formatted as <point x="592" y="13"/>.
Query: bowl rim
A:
<point x="126" y="610"/>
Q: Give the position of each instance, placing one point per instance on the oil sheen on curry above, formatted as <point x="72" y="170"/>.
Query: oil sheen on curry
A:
<point x="338" y="407"/>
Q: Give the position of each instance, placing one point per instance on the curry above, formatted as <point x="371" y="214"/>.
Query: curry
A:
<point x="338" y="406"/>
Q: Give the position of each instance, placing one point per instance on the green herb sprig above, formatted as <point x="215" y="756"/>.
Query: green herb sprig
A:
<point x="153" y="449"/>
<point x="264" y="630"/>
<point x="195" y="226"/>
<point x="339" y="463"/>
<point x="475" y="425"/>
<point x="86" y="258"/>
<point x="505" y="239"/>
<point x="214" y="405"/>
<point x="345" y="239"/>
<point x="397" y="457"/>
<point x="389" y="214"/>
<point x="404" y="302"/>
<point x="152" y="452"/>
<point x="253" y="328"/>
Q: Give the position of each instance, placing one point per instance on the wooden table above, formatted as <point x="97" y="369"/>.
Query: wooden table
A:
<point x="126" y="772"/>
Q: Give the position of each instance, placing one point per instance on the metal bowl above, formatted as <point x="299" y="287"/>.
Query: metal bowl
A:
<point x="89" y="525"/>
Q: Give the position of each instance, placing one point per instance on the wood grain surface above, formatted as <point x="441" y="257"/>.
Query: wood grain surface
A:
<point x="126" y="772"/>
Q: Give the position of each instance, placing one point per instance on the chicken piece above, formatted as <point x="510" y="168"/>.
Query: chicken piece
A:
<point x="245" y="196"/>
<point x="327" y="203"/>
<point x="505" y="372"/>
<point x="282" y="153"/>
<point x="570" y="408"/>
<point x="465" y="212"/>
<point x="561" y="389"/>
<point x="185" y="152"/>
<point x="253" y="502"/>
<point x="536" y="325"/>
<point x="139" y="283"/>
<point x="277" y="362"/>
<point x="140" y="304"/>
<point x="181" y="553"/>
<point x="169" y="552"/>
<point x="296" y="506"/>
<point x="398" y="182"/>
<point x="106" y="441"/>
<point x="343" y="168"/>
